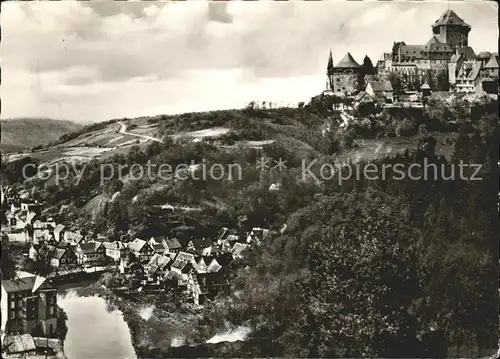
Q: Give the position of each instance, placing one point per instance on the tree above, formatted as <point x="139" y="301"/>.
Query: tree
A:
<point x="368" y="67"/>
<point x="8" y="268"/>
<point x="396" y="82"/>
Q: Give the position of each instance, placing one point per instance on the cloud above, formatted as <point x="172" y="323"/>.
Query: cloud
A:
<point x="98" y="60"/>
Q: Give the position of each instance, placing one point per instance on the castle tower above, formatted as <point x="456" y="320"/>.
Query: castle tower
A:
<point x="346" y="76"/>
<point x="452" y="30"/>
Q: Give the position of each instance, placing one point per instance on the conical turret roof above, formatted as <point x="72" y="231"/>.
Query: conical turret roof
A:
<point x="329" y="67"/>
<point x="347" y="62"/>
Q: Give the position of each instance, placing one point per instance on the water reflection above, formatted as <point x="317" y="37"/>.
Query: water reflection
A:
<point x="94" y="329"/>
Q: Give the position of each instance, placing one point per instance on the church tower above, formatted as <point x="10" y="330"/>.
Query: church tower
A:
<point x="452" y="30"/>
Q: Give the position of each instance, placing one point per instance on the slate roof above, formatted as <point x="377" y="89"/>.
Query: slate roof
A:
<point x="90" y="247"/>
<point x="13" y="344"/>
<point x="202" y="243"/>
<point x="434" y="45"/>
<point x="57" y="253"/>
<point x="158" y="247"/>
<point x="467" y="52"/>
<point x="159" y="239"/>
<point x="347" y="62"/>
<point x="450" y="17"/>
<point x="24" y="284"/>
<point x="416" y="51"/>
<point x="173" y="243"/>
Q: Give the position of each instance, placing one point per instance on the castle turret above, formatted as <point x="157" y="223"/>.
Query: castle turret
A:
<point x="452" y="30"/>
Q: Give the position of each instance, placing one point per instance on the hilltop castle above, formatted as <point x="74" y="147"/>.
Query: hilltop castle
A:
<point x="447" y="51"/>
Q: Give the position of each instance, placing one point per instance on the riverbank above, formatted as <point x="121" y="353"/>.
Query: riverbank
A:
<point x="161" y="328"/>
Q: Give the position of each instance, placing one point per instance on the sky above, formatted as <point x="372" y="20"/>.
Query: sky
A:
<point x="96" y="61"/>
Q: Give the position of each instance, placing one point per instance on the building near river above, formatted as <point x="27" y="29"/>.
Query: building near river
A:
<point x="28" y="305"/>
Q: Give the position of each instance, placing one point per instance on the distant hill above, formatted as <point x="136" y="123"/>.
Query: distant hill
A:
<point x="25" y="133"/>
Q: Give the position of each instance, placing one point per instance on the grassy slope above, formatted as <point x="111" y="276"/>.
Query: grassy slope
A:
<point x="29" y="132"/>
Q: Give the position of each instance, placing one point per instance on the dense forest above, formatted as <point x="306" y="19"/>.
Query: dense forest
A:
<point x="388" y="267"/>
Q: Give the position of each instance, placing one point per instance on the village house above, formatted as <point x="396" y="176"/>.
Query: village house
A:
<point x="201" y="246"/>
<point x="73" y="237"/>
<point x="28" y="305"/>
<point x="173" y="245"/>
<point x="380" y="90"/>
<point x="183" y="263"/>
<point x="157" y="268"/>
<point x="114" y="250"/>
<point x="63" y="257"/>
<point x="141" y="249"/>
<point x="91" y="254"/>
<point x="34" y="207"/>
<point x="256" y="235"/>
<point x="18" y="346"/>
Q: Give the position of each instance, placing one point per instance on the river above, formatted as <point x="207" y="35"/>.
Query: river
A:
<point x="93" y="330"/>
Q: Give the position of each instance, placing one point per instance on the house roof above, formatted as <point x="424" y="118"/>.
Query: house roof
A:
<point x="492" y="63"/>
<point x="416" y="51"/>
<point x="224" y="259"/>
<point x="381" y="86"/>
<point x="449" y="17"/>
<point x="363" y="96"/>
<point x="159" y="239"/>
<point x="223" y="233"/>
<point x="90" y="247"/>
<point x="434" y="45"/>
<point x="238" y="248"/>
<point x="232" y="238"/>
<point x="173" y="243"/>
<point x="214" y="266"/>
<point x="73" y="236"/>
<point x="24" y="284"/>
<point x="18" y="343"/>
<point x="136" y="245"/>
<point x="57" y="253"/>
<point x="160" y="260"/>
<point x="182" y="259"/>
<point x="158" y="247"/>
<point x="467" y="52"/>
<point x="109" y="245"/>
<point x="347" y="62"/>
<point x="484" y="55"/>
<point x="425" y="87"/>
<point x="59" y="228"/>
<point x="202" y="243"/>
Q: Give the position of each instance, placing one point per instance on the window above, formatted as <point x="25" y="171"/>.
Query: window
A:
<point x="12" y="304"/>
<point x="12" y="313"/>
<point x="51" y="311"/>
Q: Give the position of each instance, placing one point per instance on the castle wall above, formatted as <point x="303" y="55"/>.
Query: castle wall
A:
<point x="344" y="82"/>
